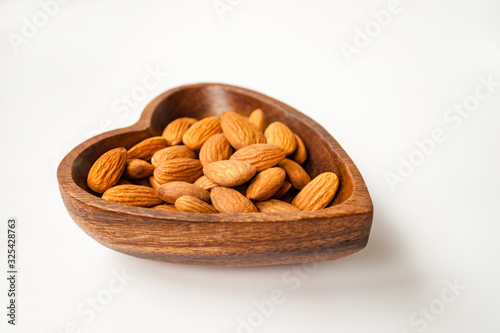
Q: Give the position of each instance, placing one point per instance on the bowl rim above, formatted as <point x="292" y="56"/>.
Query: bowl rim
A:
<point x="359" y="202"/>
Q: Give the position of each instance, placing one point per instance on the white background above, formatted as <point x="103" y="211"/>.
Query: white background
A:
<point x="440" y="224"/>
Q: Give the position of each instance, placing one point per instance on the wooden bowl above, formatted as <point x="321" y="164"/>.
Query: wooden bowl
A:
<point x="250" y="239"/>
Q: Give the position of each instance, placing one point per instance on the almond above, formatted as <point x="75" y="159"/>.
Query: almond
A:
<point x="167" y="207"/>
<point x="283" y="190"/>
<point x="229" y="173"/>
<point x="170" y="153"/>
<point x="169" y="192"/>
<point x="145" y="149"/>
<point x="134" y="195"/>
<point x="179" y="169"/>
<point x="217" y="148"/>
<point x="136" y="168"/>
<point x="239" y="131"/>
<point x="227" y="200"/>
<point x="174" y="131"/>
<point x="266" y="184"/>
<point x="191" y="204"/>
<point x="261" y="155"/>
<point x="280" y="135"/>
<point x="300" y="154"/>
<point x="318" y="193"/>
<point x="296" y="174"/>
<point x="107" y="170"/>
<point x="205" y="183"/>
<point x="258" y="119"/>
<point x="154" y="184"/>
<point x="229" y="160"/>
<point x="201" y="131"/>
<point x="275" y="206"/>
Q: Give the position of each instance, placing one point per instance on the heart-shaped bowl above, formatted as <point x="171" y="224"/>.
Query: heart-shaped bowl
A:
<point x="249" y="239"/>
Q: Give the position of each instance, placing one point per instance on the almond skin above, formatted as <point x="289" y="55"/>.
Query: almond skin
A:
<point x="227" y="200"/>
<point x="229" y="173"/>
<point x="107" y="170"/>
<point x="154" y="184"/>
<point x="145" y="149"/>
<point x="134" y="195"/>
<point x="205" y="183"/>
<point x="318" y="193"/>
<point x="191" y="204"/>
<point x="296" y="174"/>
<point x="283" y="190"/>
<point x="136" y="168"/>
<point x="169" y="192"/>
<point x="201" y="131"/>
<point x="179" y="169"/>
<point x="239" y="131"/>
<point x="262" y="156"/>
<point x="217" y="148"/>
<point x="275" y="206"/>
<point x="258" y="119"/>
<point x="300" y="154"/>
<point x="167" y="207"/>
<point x="170" y="153"/>
<point x="280" y="135"/>
<point x="174" y="131"/>
<point x="266" y="184"/>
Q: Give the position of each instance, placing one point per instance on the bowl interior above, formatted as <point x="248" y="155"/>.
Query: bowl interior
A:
<point x="201" y="101"/>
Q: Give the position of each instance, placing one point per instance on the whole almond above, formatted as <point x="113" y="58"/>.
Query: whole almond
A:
<point x="229" y="173"/>
<point x="134" y="195"/>
<point x="318" y="193"/>
<point x="170" y="208"/>
<point x="266" y="184"/>
<point x="275" y="206"/>
<point x="201" y="131"/>
<point x="145" y="149"/>
<point x="280" y="135"/>
<point x="300" y="154"/>
<point x="216" y="148"/>
<point x="239" y="131"/>
<point x="170" y="153"/>
<point x="107" y="170"/>
<point x="296" y="174"/>
<point x="261" y="155"/>
<point x="136" y="168"/>
<point x="169" y="192"/>
<point x="258" y="118"/>
<point x="227" y="200"/>
<point x="178" y="169"/>
<point x="205" y="183"/>
<point x="283" y="190"/>
<point x="191" y="204"/>
<point x="174" y="131"/>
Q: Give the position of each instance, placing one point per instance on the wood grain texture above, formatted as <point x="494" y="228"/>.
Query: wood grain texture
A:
<point x="250" y="239"/>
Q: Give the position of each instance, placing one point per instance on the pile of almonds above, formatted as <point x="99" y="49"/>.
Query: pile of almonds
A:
<point x="227" y="164"/>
